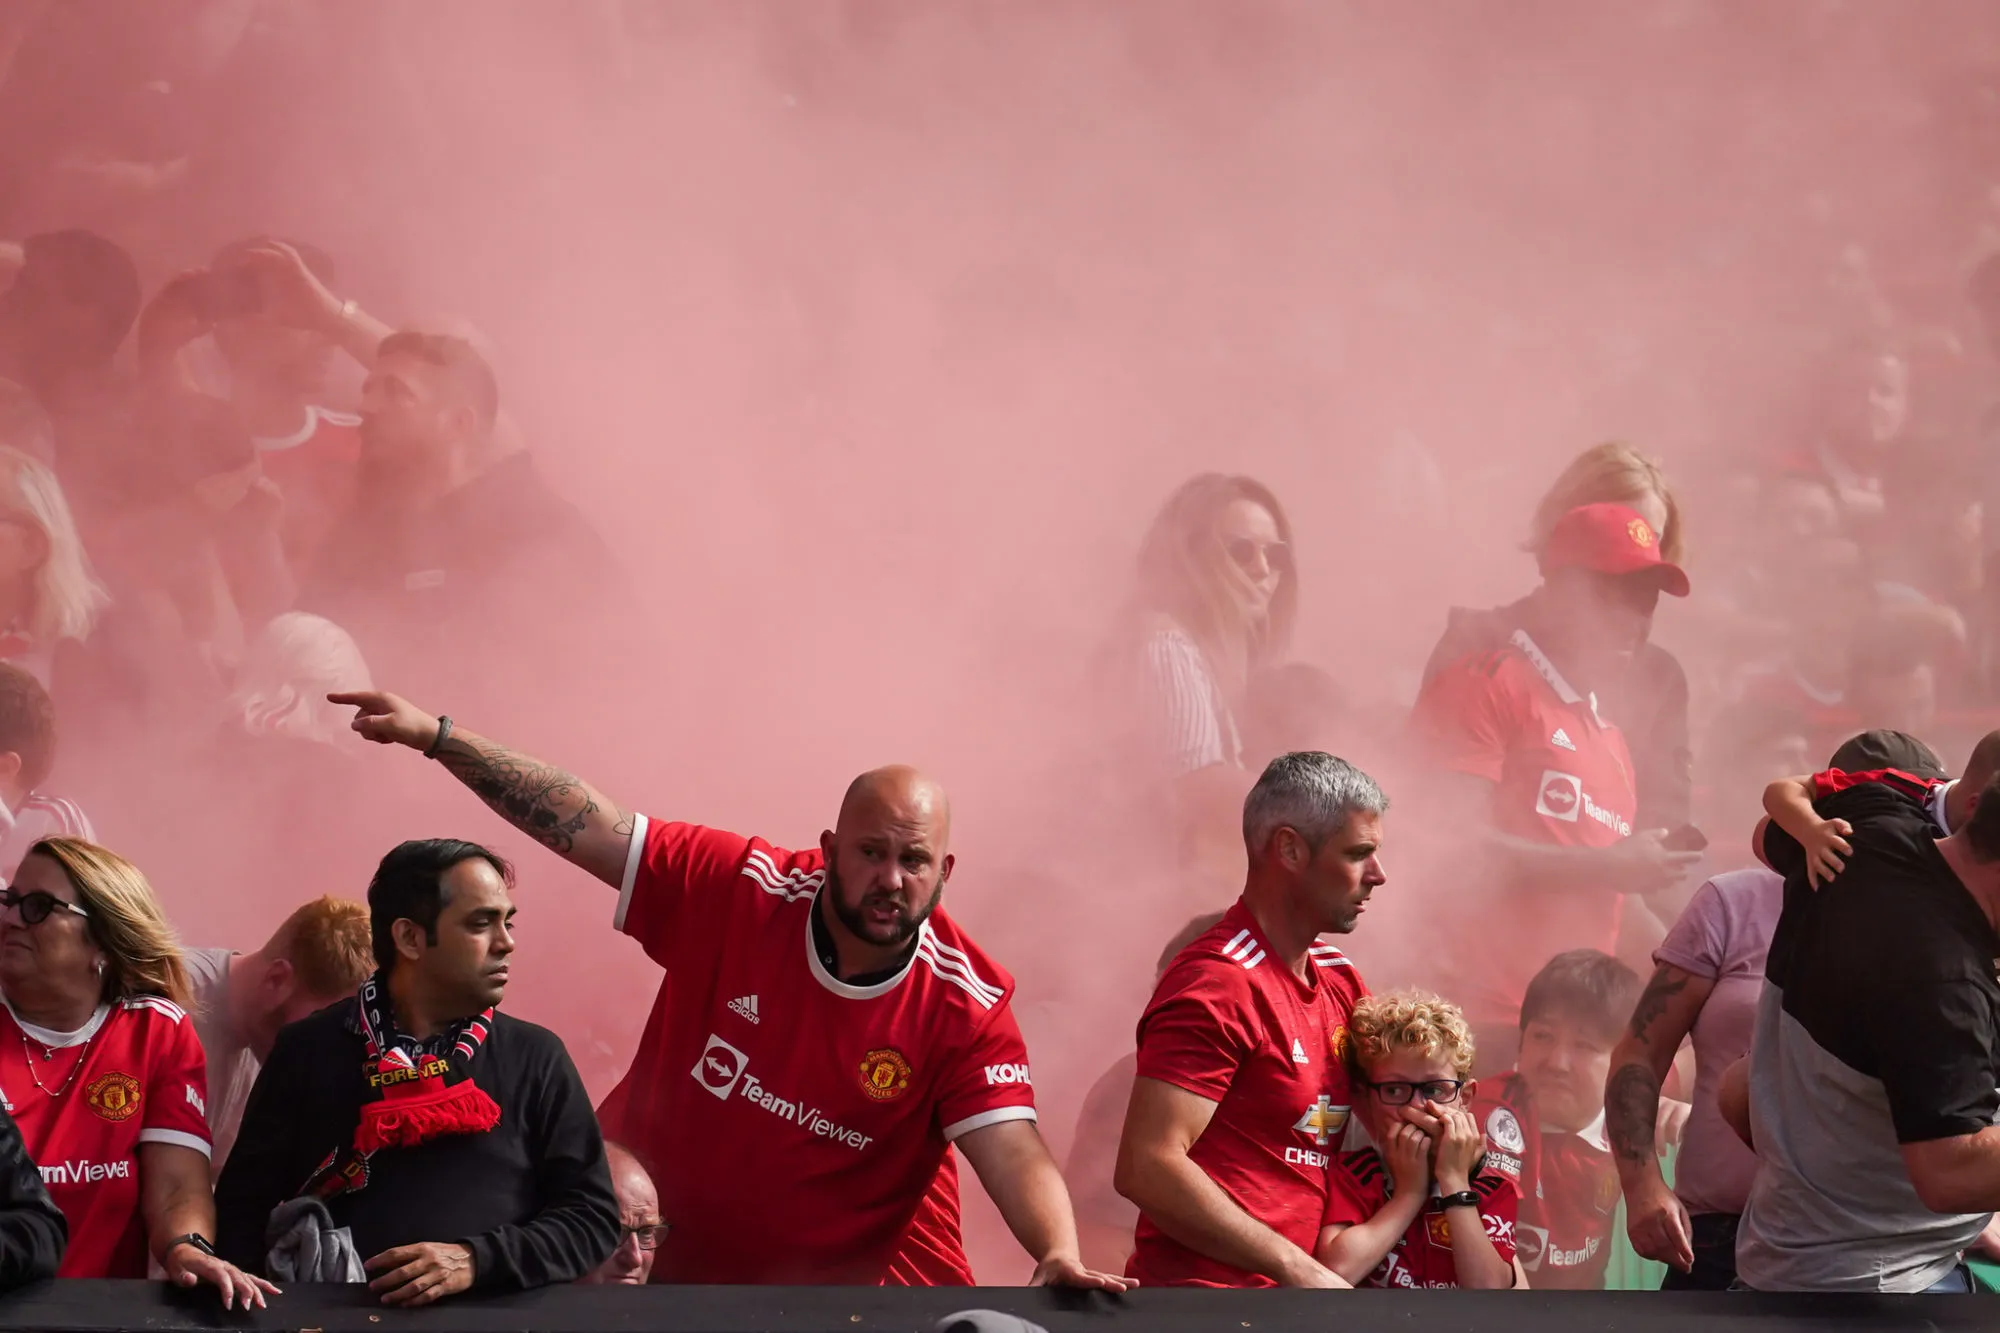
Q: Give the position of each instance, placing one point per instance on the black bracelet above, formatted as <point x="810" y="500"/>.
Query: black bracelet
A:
<point x="1462" y="1199"/>
<point x="444" y="733"/>
<point x="194" y="1238"/>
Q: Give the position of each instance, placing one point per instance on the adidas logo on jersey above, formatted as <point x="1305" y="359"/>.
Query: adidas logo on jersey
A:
<point x="744" y="1006"/>
<point x="1562" y="741"/>
<point x="1298" y="1052"/>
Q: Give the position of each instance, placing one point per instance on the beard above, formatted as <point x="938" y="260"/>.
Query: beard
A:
<point x="852" y="916"/>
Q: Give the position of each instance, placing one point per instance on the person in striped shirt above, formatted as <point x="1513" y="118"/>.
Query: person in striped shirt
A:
<point x="1213" y="610"/>
<point x="27" y="755"/>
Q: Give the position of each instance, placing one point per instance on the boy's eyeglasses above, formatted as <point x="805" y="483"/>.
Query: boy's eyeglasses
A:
<point x="1443" y="1091"/>
<point x="36" y="905"/>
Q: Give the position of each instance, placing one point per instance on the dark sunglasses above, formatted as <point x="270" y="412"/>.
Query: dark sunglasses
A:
<point x="1245" y="553"/>
<point x="1443" y="1091"/>
<point x="649" y="1237"/>
<point x="35" y="906"/>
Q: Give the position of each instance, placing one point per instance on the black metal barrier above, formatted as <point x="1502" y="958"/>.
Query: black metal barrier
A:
<point x="98" y="1307"/>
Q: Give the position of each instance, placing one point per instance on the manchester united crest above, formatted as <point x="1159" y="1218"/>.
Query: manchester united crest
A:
<point x="885" y="1074"/>
<point x="1641" y="534"/>
<point x="114" y="1096"/>
<point x="1339" y="1044"/>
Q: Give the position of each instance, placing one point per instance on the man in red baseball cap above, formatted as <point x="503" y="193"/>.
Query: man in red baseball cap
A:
<point x="1517" y="751"/>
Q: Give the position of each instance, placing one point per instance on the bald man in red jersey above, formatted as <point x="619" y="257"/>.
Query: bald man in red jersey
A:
<point x="832" y="1035"/>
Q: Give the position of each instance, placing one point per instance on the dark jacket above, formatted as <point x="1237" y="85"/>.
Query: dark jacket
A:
<point x="1650" y="705"/>
<point x="531" y="1199"/>
<point x="33" y="1231"/>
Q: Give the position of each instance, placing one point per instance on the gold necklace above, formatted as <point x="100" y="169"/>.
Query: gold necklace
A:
<point x="74" y="1069"/>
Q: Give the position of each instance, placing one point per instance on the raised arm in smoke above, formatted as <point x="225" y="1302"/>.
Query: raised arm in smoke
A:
<point x="557" y="809"/>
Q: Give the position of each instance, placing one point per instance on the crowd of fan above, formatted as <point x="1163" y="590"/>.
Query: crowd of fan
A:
<point x="195" y="532"/>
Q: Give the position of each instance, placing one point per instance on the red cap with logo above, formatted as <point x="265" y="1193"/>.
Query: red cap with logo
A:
<point x="1610" y="539"/>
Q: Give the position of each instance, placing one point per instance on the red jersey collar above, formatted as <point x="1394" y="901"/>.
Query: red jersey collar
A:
<point x="1248" y="948"/>
<point x="1546" y="669"/>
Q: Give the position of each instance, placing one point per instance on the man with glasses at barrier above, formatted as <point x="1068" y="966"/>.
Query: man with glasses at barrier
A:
<point x="640" y="1229"/>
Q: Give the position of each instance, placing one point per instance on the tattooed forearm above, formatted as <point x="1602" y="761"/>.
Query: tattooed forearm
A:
<point x="1631" y="1106"/>
<point x="549" y="805"/>
<point x="1667" y="983"/>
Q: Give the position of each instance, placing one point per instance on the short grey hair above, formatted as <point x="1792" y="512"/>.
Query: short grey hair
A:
<point x="1310" y="791"/>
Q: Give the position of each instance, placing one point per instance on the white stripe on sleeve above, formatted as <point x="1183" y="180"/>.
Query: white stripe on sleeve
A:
<point x="985" y="1118"/>
<point x="632" y="855"/>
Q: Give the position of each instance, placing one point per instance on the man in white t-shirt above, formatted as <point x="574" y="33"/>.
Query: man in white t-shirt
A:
<point x="321" y="954"/>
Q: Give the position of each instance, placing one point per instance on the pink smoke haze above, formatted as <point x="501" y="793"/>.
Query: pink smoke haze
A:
<point x="871" y="335"/>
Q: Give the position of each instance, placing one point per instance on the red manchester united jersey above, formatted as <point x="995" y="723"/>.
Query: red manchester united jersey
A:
<point x="1569" y="1188"/>
<point x="798" y="1128"/>
<point x="86" y="1100"/>
<point x="1229" y="1022"/>
<point x="1360" y="1184"/>
<point x="1561" y="775"/>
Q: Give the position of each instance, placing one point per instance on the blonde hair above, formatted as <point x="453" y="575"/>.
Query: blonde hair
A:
<point x="125" y="921"/>
<point x="328" y="944"/>
<point x="1181" y="575"/>
<point x="1609" y="473"/>
<point x="287" y="672"/>
<point x="68" y="597"/>
<point x="1408" y="1020"/>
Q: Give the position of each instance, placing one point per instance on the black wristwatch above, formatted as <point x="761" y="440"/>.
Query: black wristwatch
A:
<point x="194" y="1238"/>
<point x="1462" y="1199"/>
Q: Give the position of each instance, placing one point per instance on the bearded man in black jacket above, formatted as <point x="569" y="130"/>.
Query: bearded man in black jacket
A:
<point x="455" y="1144"/>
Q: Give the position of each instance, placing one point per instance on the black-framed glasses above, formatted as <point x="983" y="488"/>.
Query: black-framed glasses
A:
<point x="1443" y="1091"/>
<point x="35" y="905"/>
<point x="1247" y="552"/>
<point x="649" y="1236"/>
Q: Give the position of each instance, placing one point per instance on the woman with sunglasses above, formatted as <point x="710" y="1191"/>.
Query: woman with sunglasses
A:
<point x="100" y="1063"/>
<point x="1215" y="600"/>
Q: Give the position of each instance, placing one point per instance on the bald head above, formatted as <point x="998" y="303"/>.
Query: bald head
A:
<point x="638" y="1211"/>
<point x="628" y="1178"/>
<point x="1980" y="770"/>
<point x="900" y="795"/>
<point x="887" y="859"/>
<point x="1984" y="763"/>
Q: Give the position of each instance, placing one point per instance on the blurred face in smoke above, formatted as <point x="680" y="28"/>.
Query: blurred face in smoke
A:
<point x="411" y="415"/>
<point x="45" y="332"/>
<point x="1565" y="1063"/>
<point x="275" y="356"/>
<point x="23" y="546"/>
<point x="886" y="861"/>
<point x="1606" y="618"/>
<point x="1801" y="507"/>
<point x="1256" y="559"/>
